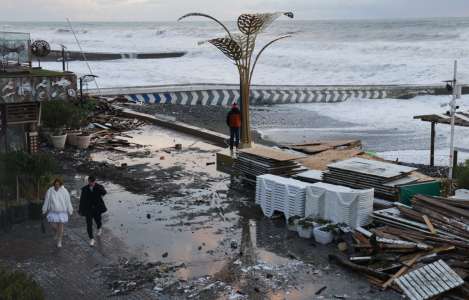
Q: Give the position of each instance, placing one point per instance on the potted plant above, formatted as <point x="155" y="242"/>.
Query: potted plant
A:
<point x="84" y="140"/>
<point x="75" y="123"/>
<point x="56" y="115"/>
<point x="83" y="111"/>
<point x="324" y="234"/>
<point x="292" y="223"/>
<point x="305" y="228"/>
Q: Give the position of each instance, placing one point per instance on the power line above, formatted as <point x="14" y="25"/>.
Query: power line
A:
<point x="83" y="54"/>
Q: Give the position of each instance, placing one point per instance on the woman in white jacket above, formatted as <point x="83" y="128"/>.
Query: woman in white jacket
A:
<point x="58" y="207"/>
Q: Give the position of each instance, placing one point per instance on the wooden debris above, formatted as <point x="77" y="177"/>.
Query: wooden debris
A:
<point x="429" y="224"/>
<point x="412" y="240"/>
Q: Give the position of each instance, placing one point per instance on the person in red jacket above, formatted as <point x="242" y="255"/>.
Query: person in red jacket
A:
<point x="233" y="120"/>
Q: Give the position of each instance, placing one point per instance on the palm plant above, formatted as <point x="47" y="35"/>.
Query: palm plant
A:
<point x="239" y="47"/>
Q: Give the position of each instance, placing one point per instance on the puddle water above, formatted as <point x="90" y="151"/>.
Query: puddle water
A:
<point x="159" y="151"/>
<point x="151" y="229"/>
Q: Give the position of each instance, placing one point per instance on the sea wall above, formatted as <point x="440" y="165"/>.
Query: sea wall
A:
<point x="215" y="94"/>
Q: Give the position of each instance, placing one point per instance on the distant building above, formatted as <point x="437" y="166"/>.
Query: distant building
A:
<point x="22" y="89"/>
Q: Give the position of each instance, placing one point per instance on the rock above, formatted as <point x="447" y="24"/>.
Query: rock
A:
<point x="148" y="216"/>
<point x="234" y="244"/>
<point x="165" y="254"/>
<point x="200" y="248"/>
<point x="178" y="146"/>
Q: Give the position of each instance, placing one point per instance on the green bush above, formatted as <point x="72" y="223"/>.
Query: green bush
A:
<point x="57" y="114"/>
<point x="38" y="166"/>
<point x="18" y="285"/>
<point x="461" y="174"/>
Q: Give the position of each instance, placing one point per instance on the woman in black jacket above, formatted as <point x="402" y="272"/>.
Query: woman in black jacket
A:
<point x="92" y="206"/>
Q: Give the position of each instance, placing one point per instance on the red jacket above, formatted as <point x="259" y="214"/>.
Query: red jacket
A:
<point x="233" y="119"/>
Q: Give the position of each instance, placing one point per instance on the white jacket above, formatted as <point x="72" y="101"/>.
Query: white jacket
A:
<point x="57" y="201"/>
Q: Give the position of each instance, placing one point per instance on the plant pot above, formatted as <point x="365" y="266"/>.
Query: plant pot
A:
<point x="83" y="141"/>
<point x="305" y="232"/>
<point x="72" y="138"/>
<point x="323" y="237"/>
<point x="58" y="141"/>
<point x="292" y="225"/>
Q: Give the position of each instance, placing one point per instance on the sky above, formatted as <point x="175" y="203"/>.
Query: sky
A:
<point x="169" y="10"/>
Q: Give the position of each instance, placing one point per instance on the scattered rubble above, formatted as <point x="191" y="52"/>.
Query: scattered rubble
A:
<point x="129" y="275"/>
<point x="410" y="238"/>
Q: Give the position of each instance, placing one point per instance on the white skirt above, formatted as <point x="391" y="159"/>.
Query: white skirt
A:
<point x="57" y="217"/>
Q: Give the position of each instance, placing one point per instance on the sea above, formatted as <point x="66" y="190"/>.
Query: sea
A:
<point x="331" y="52"/>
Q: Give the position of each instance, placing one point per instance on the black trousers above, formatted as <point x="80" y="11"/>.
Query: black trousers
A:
<point x="89" y="223"/>
<point x="234" y="137"/>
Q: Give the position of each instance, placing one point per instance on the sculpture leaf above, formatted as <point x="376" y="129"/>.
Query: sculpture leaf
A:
<point x="229" y="47"/>
<point x="251" y="24"/>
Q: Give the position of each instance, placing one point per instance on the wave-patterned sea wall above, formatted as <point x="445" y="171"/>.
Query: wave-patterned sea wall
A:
<point x="224" y="95"/>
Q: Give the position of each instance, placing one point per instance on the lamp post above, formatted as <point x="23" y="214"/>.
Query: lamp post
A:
<point x="63" y="57"/>
<point x="239" y="47"/>
<point x="456" y="89"/>
<point x="85" y="78"/>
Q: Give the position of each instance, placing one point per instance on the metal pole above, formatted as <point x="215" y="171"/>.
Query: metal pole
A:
<point x="81" y="90"/>
<point x="63" y="58"/>
<point x="453" y="111"/>
<point x="432" y="146"/>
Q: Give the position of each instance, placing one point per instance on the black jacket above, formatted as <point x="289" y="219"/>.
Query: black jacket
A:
<point x="91" y="202"/>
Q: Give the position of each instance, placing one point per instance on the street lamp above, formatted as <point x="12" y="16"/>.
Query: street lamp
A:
<point x="85" y="78"/>
<point x="239" y="47"/>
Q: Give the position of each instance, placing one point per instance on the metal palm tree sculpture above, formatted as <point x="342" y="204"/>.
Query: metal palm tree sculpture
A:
<point x="239" y="47"/>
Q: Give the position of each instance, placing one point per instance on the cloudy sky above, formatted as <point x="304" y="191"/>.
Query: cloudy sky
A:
<point x="165" y="10"/>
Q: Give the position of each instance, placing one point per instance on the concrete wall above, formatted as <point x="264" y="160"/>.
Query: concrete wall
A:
<point x="217" y="94"/>
<point x="23" y="88"/>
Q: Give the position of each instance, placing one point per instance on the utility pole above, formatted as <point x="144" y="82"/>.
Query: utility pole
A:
<point x="63" y="58"/>
<point x="452" y="104"/>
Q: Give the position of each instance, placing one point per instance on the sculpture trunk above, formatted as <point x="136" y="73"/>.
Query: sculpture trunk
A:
<point x="245" y="125"/>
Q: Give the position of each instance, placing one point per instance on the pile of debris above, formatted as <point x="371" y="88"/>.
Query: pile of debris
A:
<point x="108" y="125"/>
<point x="261" y="160"/>
<point x="385" y="178"/>
<point x="421" y="250"/>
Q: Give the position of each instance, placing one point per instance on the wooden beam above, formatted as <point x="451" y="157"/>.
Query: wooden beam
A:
<point x="407" y="265"/>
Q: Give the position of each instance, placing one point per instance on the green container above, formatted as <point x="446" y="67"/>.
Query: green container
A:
<point x="407" y="192"/>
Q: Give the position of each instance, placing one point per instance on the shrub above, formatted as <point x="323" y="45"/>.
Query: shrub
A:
<point x="18" y="285"/>
<point x="57" y="114"/>
<point x="461" y="175"/>
<point x="38" y="166"/>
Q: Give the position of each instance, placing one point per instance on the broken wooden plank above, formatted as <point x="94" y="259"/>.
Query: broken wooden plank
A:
<point x="429" y="224"/>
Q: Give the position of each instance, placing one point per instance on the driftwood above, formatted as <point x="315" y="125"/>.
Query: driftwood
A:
<point x="341" y="260"/>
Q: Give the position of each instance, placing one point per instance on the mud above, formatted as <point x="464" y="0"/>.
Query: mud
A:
<point x="187" y="232"/>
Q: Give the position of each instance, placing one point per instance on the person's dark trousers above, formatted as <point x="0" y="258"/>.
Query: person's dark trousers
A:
<point x="89" y="223"/>
<point x="234" y="137"/>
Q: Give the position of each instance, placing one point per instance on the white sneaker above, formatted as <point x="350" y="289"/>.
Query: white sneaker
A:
<point x="59" y="244"/>
<point x="100" y="231"/>
<point x="92" y="242"/>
